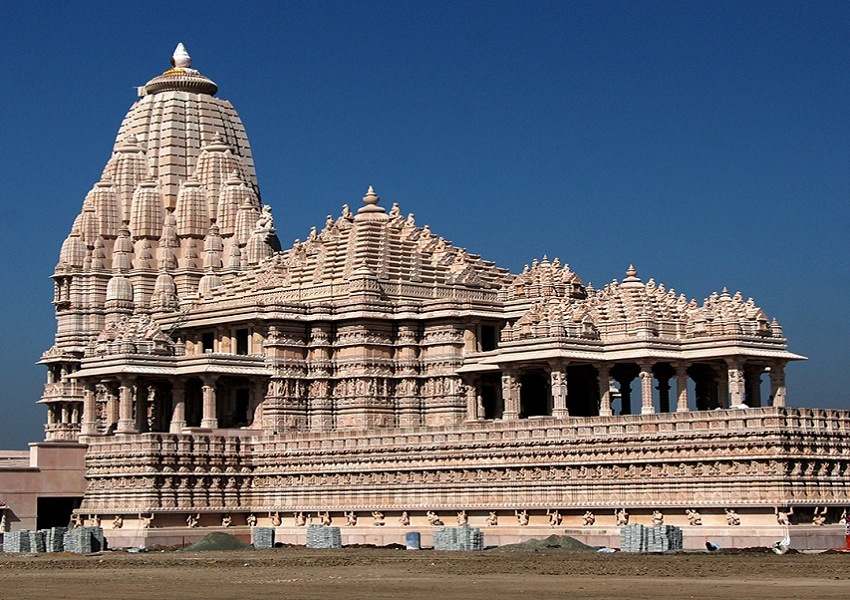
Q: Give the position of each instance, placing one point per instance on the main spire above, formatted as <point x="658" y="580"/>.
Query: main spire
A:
<point x="181" y="58"/>
<point x="180" y="77"/>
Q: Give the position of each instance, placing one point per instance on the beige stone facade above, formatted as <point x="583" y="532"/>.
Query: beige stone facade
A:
<point x="376" y="367"/>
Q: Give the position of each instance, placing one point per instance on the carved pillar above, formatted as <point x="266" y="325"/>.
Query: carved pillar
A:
<point x="681" y="387"/>
<point x="735" y="381"/>
<point x="646" y="405"/>
<point x="777" y="383"/>
<point x="209" y="419"/>
<point x="126" y="423"/>
<point x="178" y="412"/>
<point x="471" y="390"/>
<point x="89" y="426"/>
<point x="604" y="371"/>
<point x="510" y="395"/>
<point x="259" y="395"/>
<point x="558" y="378"/>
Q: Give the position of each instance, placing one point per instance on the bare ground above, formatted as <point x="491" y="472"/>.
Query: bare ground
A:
<point x="373" y="574"/>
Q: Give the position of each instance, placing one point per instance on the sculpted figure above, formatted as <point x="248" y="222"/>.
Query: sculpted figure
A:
<point x="433" y="518"/>
<point x="76" y="521"/>
<point x="226" y="521"/>
<point x="277" y="521"/>
<point x="346" y="212"/>
<point x="555" y="517"/>
<point x="784" y="517"/>
<point x="492" y="519"/>
<point x="193" y="520"/>
<point x="404" y="519"/>
<point x="462" y="518"/>
<point x="819" y="518"/>
<point x="300" y="519"/>
<point x="622" y="517"/>
<point x="145" y="522"/>
<point x="843" y="519"/>
<point x="589" y="518"/>
<point x="521" y="517"/>
<point x="351" y="518"/>
<point x="325" y="518"/>
<point x="694" y="518"/>
<point x="732" y="518"/>
<point x="251" y="520"/>
<point x="657" y="517"/>
<point x="378" y="518"/>
<point x="96" y="520"/>
<point x="118" y="522"/>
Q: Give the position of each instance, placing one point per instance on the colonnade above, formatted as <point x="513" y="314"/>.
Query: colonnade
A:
<point x="137" y="404"/>
<point x="725" y="383"/>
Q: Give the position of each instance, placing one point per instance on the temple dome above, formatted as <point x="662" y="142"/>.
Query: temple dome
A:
<point x="181" y="77"/>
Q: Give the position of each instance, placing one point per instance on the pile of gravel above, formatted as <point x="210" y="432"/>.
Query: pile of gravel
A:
<point x="563" y="543"/>
<point x="217" y="541"/>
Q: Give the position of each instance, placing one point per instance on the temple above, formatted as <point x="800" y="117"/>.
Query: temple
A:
<point x="376" y="374"/>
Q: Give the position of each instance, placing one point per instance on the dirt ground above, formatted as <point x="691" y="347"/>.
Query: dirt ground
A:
<point x="373" y="574"/>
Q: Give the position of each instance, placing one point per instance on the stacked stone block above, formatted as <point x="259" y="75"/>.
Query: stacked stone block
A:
<point x="84" y="540"/>
<point x="321" y="536"/>
<point x="458" y="538"/>
<point x="16" y="542"/>
<point x="54" y="539"/>
<point x="262" y="538"/>
<point x="36" y="541"/>
<point x="657" y="538"/>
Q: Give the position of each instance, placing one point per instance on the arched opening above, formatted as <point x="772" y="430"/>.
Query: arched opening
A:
<point x="535" y="394"/>
<point x="582" y="391"/>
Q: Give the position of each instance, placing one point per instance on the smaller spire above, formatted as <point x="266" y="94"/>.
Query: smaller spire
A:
<point x="180" y="58"/>
<point x="370" y="209"/>
<point x="631" y="271"/>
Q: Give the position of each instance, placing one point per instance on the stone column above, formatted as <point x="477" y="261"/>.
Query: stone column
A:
<point x="735" y="381"/>
<point x="178" y="404"/>
<point x="777" y="383"/>
<point x="89" y="425"/>
<point x="471" y="390"/>
<point x="209" y="418"/>
<point x="126" y="423"/>
<point x="510" y="395"/>
<point x="259" y="394"/>
<point x="681" y="387"/>
<point x="558" y="380"/>
<point x="604" y="389"/>
<point x="646" y="406"/>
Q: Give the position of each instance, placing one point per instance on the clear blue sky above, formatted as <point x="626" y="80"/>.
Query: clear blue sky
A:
<point x="708" y="143"/>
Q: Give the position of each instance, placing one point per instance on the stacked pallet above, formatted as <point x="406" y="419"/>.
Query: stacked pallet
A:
<point x="16" y="542"/>
<point x="657" y="538"/>
<point x="322" y="536"/>
<point x="458" y="538"/>
<point x="84" y="540"/>
<point x="262" y="538"/>
<point x="53" y="539"/>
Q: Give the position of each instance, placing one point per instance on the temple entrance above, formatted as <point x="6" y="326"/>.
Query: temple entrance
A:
<point x="535" y="394"/>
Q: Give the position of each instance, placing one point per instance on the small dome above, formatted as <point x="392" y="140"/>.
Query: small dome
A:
<point x="164" y="284"/>
<point x="257" y="248"/>
<point x="208" y="283"/>
<point x="119" y="289"/>
<point x="73" y="252"/>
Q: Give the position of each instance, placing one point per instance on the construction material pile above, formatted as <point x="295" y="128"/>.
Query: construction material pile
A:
<point x="322" y="536"/>
<point x="17" y="542"/>
<point x="84" y="540"/>
<point x="216" y="541"/>
<point x="54" y="539"/>
<point x="657" y="538"/>
<point x="262" y="538"/>
<point x="458" y="538"/>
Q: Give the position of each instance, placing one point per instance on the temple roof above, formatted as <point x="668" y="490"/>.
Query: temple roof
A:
<point x="372" y="243"/>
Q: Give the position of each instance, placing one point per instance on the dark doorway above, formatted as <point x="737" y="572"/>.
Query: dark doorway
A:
<point x="55" y="512"/>
<point x="582" y="391"/>
<point x="242" y="341"/>
<point x="491" y="396"/>
<point x="535" y="394"/>
<point x="240" y="408"/>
